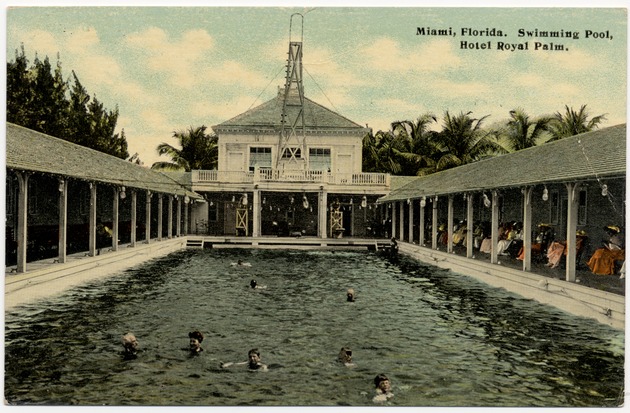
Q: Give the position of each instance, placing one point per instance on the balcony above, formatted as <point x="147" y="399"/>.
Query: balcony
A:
<point x="200" y="177"/>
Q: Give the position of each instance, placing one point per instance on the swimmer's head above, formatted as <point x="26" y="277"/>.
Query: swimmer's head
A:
<point x="253" y="283"/>
<point x="350" y="294"/>
<point x="195" y="340"/>
<point x="130" y="343"/>
<point x="254" y="357"/>
<point x="382" y="383"/>
<point x="240" y="262"/>
<point x="345" y="355"/>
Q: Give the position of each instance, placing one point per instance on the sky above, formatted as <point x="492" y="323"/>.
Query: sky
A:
<point x="171" y="68"/>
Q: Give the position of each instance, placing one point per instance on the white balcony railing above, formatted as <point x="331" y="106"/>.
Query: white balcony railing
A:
<point x="275" y="175"/>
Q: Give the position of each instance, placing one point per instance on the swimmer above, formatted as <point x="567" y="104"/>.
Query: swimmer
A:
<point x="195" y="341"/>
<point x="240" y="263"/>
<point x="350" y="295"/>
<point x="383" y="388"/>
<point x="345" y="356"/>
<point x="253" y="361"/>
<point x="130" y="344"/>
<point x="255" y="285"/>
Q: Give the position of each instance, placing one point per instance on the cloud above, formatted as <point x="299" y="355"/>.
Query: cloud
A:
<point x="181" y="60"/>
<point x="40" y="41"/>
<point x="387" y="55"/>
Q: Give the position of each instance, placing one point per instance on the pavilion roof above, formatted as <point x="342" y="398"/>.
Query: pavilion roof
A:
<point x="29" y="150"/>
<point x="592" y="155"/>
<point x="267" y="117"/>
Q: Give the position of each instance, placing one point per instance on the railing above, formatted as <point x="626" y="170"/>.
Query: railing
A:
<point x="276" y="175"/>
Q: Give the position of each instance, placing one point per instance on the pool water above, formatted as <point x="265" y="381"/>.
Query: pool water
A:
<point x="443" y="339"/>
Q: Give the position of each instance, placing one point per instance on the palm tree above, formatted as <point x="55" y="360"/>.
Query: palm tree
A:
<point x="573" y="123"/>
<point x="379" y="153"/>
<point x="198" y="151"/>
<point x="522" y="133"/>
<point x="415" y="144"/>
<point x="462" y="140"/>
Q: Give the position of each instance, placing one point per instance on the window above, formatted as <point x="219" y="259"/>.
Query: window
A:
<point x="213" y="212"/>
<point x="554" y="205"/>
<point x="288" y="152"/>
<point x="581" y="216"/>
<point x="260" y="157"/>
<point x="319" y="159"/>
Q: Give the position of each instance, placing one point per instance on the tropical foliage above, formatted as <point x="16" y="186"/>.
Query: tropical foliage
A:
<point x="199" y="150"/>
<point x="573" y="122"/>
<point x="522" y="132"/>
<point x="39" y="98"/>
<point x="420" y="148"/>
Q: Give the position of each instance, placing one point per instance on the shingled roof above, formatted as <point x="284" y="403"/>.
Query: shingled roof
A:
<point x="267" y="116"/>
<point x="29" y="150"/>
<point x="591" y="155"/>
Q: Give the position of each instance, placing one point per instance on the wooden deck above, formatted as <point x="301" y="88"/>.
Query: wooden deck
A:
<point x="372" y="244"/>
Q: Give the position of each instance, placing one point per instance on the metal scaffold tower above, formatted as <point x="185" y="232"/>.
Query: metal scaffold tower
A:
<point x="292" y="133"/>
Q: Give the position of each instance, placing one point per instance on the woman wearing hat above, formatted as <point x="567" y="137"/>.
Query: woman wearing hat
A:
<point x="603" y="260"/>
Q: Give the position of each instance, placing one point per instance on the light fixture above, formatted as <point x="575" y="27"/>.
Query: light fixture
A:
<point x="244" y="200"/>
<point x="233" y="198"/>
<point x="486" y="201"/>
<point x="304" y="201"/>
<point x="186" y="199"/>
<point x="364" y="201"/>
<point x="545" y="195"/>
<point x="292" y="199"/>
<point x="264" y="200"/>
<point x="61" y="185"/>
<point x="604" y="190"/>
<point x="351" y="201"/>
<point x="423" y="202"/>
<point x="123" y="193"/>
<point x="408" y="201"/>
<point x="211" y="203"/>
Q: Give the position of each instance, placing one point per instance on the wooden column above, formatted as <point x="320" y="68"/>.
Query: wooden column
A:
<point x="470" y="242"/>
<point x="401" y="221"/>
<point x="421" y="240"/>
<point x="22" y="220"/>
<point x="186" y="223"/>
<point x="115" y="216"/>
<point x="411" y="222"/>
<point x="256" y="215"/>
<point x="394" y="219"/>
<point x="494" y="237"/>
<point x="170" y="217"/>
<point x="147" y="220"/>
<point x="160" y="213"/>
<point x="434" y="225"/>
<point x="322" y="214"/>
<point x="449" y="229"/>
<point x="527" y="228"/>
<point x="134" y="218"/>
<point x="573" y="190"/>
<point x="63" y="221"/>
<point x="92" y="242"/>
<point x="178" y="227"/>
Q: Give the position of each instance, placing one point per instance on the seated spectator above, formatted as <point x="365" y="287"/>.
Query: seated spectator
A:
<point x="459" y="235"/>
<point x="541" y="243"/>
<point x="603" y="260"/>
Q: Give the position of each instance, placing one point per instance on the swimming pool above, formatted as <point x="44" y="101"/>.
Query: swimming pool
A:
<point x="442" y="338"/>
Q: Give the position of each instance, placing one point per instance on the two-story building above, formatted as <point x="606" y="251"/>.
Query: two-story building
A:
<point x="290" y="167"/>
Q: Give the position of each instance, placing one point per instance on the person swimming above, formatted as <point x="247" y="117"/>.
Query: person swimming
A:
<point x="240" y="263"/>
<point x="345" y="356"/>
<point x="383" y="388"/>
<point x="195" y="341"/>
<point x="350" y="295"/>
<point x="255" y="285"/>
<point x="253" y="361"/>
<point x="130" y="345"/>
